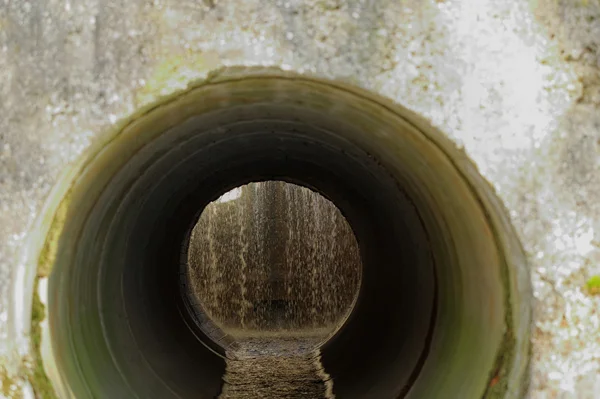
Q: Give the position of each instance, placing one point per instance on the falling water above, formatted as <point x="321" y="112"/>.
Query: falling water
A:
<point x="276" y="267"/>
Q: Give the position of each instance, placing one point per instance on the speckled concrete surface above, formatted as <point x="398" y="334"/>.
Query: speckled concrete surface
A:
<point x="517" y="84"/>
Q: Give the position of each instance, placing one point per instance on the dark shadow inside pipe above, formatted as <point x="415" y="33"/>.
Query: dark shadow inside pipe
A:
<point x="393" y="312"/>
<point x="435" y="247"/>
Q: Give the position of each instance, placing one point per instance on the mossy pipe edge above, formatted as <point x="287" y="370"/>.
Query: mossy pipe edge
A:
<point x="506" y="380"/>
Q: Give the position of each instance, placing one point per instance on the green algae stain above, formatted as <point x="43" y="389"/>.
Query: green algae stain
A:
<point x="6" y="383"/>
<point x="37" y="376"/>
<point x="175" y="73"/>
<point x="50" y="247"/>
<point x="593" y="285"/>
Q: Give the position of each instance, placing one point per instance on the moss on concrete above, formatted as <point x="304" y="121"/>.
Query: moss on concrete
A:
<point x="6" y="383"/>
<point x="37" y="376"/>
<point x="593" y="285"/>
<point x="174" y="73"/>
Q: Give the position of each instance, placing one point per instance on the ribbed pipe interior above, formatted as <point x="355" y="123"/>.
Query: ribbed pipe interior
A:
<point x="441" y="310"/>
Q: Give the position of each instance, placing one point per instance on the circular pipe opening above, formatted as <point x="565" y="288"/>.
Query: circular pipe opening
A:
<point x="270" y="263"/>
<point x="443" y="304"/>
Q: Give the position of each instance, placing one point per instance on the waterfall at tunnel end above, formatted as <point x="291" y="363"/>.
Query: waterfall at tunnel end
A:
<point x="273" y="258"/>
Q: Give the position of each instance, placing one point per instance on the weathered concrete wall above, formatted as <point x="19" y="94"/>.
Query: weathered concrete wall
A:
<point x="515" y="83"/>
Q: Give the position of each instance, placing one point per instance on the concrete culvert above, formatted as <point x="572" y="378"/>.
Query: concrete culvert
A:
<point x="442" y="308"/>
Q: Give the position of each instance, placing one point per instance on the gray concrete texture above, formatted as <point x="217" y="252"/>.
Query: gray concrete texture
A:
<point x="514" y="83"/>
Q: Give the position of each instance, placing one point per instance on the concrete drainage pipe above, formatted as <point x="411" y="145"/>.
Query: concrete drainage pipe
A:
<point x="443" y="306"/>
